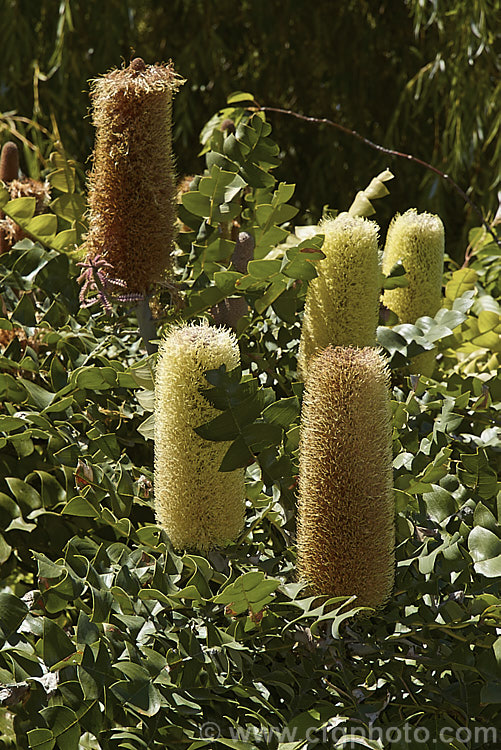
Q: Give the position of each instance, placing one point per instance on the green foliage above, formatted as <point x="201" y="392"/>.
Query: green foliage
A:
<point x="109" y="639"/>
<point x="67" y="208"/>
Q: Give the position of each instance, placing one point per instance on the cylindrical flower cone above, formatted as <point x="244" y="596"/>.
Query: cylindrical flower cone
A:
<point x="342" y="302"/>
<point x="417" y="240"/>
<point x="131" y="186"/>
<point x="346" y="531"/>
<point x="199" y="506"/>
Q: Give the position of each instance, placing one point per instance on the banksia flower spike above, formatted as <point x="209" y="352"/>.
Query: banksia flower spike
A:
<point x="9" y="162"/>
<point x="131" y="186"/>
<point x="417" y="240"/>
<point x="199" y="506"/>
<point x="346" y="510"/>
<point x="342" y="302"/>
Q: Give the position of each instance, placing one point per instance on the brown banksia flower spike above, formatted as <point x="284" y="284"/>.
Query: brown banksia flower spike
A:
<point x="9" y="162"/>
<point x="132" y="192"/>
<point x="345" y="538"/>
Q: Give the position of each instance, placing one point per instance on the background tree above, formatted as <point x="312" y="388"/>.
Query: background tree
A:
<point x="418" y="76"/>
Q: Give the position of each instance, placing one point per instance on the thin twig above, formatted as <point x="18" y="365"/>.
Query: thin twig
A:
<point x="390" y="152"/>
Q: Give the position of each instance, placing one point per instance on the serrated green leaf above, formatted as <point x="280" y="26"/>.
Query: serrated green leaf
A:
<point x="94" y="378"/>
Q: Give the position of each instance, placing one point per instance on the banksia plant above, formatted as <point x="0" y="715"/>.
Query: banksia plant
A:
<point x="342" y="302"/>
<point x="417" y="240"/>
<point x="199" y="506"/>
<point x="345" y="538"/>
<point x="132" y="191"/>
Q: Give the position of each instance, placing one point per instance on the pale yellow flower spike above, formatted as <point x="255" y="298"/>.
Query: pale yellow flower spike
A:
<point x="199" y="506"/>
<point x="346" y="537"/>
<point x="417" y="240"/>
<point x="342" y="303"/>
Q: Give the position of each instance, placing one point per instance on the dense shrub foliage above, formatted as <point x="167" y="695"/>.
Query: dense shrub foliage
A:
<point x="419" y="76"/>
<point x="111" y="639"/>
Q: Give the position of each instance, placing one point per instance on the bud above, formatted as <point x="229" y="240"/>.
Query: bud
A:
<point x="199" y="506"/>
<point x="346" y="531"/>
<point x="132" y="190"/>
<point x="342" y="302"/>
<point x="9" y="162"/>
<point x="417" y="240"/>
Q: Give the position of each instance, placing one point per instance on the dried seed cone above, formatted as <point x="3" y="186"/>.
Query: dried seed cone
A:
<point x="342" y="302"/>
<point x="199" y="506"/>
<point x="346" y="509"/>
<point x="131" y="185"/>
<point x="418" y="241"/>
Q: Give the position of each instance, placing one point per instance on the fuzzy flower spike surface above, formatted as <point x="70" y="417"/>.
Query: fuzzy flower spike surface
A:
<point x="131" y="185"/>
<point x="342" y="302"/>
<point x="199" y="506"/>
<point x="417" y="240"/>
<point x="346" y="531"/>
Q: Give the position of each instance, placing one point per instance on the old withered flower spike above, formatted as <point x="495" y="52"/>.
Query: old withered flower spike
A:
<point x="131" y="186"/>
